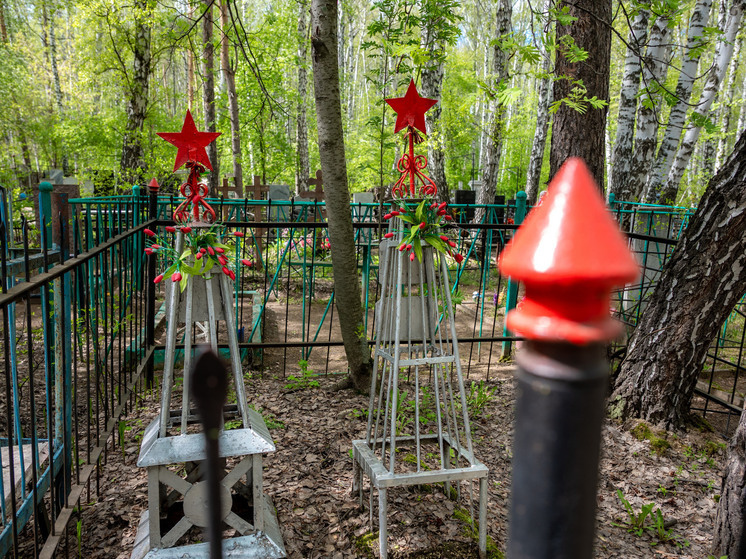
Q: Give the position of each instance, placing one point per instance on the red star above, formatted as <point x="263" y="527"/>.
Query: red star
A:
<point x="411" y="109"/>
<point x="191" y="143"/>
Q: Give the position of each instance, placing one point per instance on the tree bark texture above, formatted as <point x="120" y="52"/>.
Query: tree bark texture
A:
<point x="654" y="72"/>
<point x="699" y="286"/>
<point x="496" y="125"/>
<point x="208" y="93"/>
<point x="3" y="27"/>
<point x="303" y="166"/>
<point x="229" y="74"/>
<point x="333" y="165"/>
<point x="536" y="159"/>
<point x="677" y="118"/>
<point x="726" y="110"/>
<point x="432" y="87"/>
<point x="576" y="134"/>
<point x="625" y="132"/>
<point x="729" y="537"/>
<point x="133" y="163"/>
<point x="723" y="53"/>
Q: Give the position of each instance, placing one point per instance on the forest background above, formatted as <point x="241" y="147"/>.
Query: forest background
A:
<point x="86" y="84"/>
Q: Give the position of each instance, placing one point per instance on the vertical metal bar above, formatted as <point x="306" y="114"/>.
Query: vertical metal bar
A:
<point x="512" y="295"/>
<point x="170" y="355"/>
<point x="188" y="332"/>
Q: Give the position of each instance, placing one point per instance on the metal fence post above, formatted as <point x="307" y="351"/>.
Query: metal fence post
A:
<point x="569" y="257"/>
<point x="153" y="187"/>
<point x="512" y="291"/>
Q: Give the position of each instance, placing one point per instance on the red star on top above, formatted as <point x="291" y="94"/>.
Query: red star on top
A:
<point x="191" y="143"/>
<point x="411" y="109"/>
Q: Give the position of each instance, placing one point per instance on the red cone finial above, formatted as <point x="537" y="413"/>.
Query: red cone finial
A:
<point x="153" y="186"/>
<point x="569" y="253"/>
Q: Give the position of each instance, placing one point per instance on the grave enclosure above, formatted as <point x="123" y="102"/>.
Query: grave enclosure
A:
<point x="108" y="285"/>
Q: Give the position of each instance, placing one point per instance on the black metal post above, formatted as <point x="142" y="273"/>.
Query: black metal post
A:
<point x="209" y="380"/>
<point x="559" y="412"/>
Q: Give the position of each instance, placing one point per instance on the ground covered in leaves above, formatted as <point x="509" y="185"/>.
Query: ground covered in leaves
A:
<point x="674" y="476"/>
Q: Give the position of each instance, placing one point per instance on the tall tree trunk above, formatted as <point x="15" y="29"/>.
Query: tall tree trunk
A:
<point x="729" y="537"/>
<point x="3" y="27"/>
<point x="303" y="166"/>
<point x="723" y="53"/>
<point x="741" y="126"/>
<point x="133" y="163"/>
<point x="229" y="76"/>
<point x="332" y="153"/>
<point x="208" y="93"/>
<point x="432" y="86"/>
<point x="654" y="72"/>
<point x="573" y="133"/>
<point x="55" y="76"/>
<point x="533" y="176"/>
<point x="726" y="109"/>
<point x="190" y="66"/>
<point x="621" y="158"/>
<point x="496" y="126"/>
<point x="699" y="287"/>
<point x="677" y="118"/>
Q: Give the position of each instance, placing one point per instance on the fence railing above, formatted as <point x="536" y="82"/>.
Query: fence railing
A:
<point x="79" y="313"/>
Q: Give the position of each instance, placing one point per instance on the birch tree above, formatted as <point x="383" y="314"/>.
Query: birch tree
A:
<point x="208" y="92"/>
<point x="677" y="119"/>
<point x="536" y="159"/>
<point x="654" y="72"/>
<point x="228" y="71"/>
<point x="132" y="161"/>
<point x="303" y="166"/>
<point x="700" y="285"/>
<point x="494" y="138"/>
<point x="726" y="109"/>
<point x="621" y="158"/>
<point x="723" y="53"/>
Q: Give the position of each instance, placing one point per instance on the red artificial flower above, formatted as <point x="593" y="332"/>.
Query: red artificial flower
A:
<point x="441" y="212"/>
<point x="388" y="235"/>
<point x="211" y="251"/>
<point x="176" y="277"/>
<point x="459" y="258"/>
<point x="198" y="255"/>
<point x="448" y="217"/>
<point x="219" y="250"/>
<point x="409" y="247"/>
<point x="226" y="271"/>
<point x="394" y="212"/>
<point x="170" y="229"/>
<point x="239" y="233"/>
<point x="158" y="279"/>
<point x="442" y="205"/>
<point x="203" y="250"/>
<point x="148" y="251"/>
<point x="223" y="260"/>
<point x="387" y="216"/>
<point x="411" y="257"/>
<point x="148" y="232"/>
<point x="155" y="247"/>
<point x="423" y="225"/>
<point x="444" y="238"/>
<point x="186" y="229"/>
<point x="246" y="262"/>
<point x="402" y="247"/>
<point x="433" y="205"/>
<point x="451" y="244"/>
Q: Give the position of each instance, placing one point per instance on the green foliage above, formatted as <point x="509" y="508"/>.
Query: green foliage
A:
<point x="649" y="520"/>
<point x="658" y="441"/>
<point x="305" y="380"/>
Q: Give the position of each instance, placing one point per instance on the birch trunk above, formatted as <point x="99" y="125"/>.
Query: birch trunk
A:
<point x="621" y="159"/>
<point x="654" y="72"/>
<point x="3" y="27"/>
<point x="132" y="162"/>
<point x="741" y="126"/>
<point x="332" y="154"/>
<point x="726" y="109"/>
<point x="496" y="126"/>
<point x="533" y="175"/>
<point x="729" y="538"/>
<point x="303" y="166"/>
<point x="677" y="118"/>
<point x="208" y="93"/>
<point x="700" y="285"/>
<point x="432" y="85"/>
<point x="723" y="53"/>
<point x="573" y="133"/>
<point x="229" y="78"/>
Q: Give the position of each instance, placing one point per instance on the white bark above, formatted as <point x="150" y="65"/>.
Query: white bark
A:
<point x="494" y="138"/>
<point x="303" y="166"/>
<point x="742" y="115"/>
<point x="725" y="106"/>
<point x="723" y="53"/>
<point x="654" y="71"/>
<point x="621" y="159"/>
<point x="546" y="91"/>
<point x="677" y="118"/>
